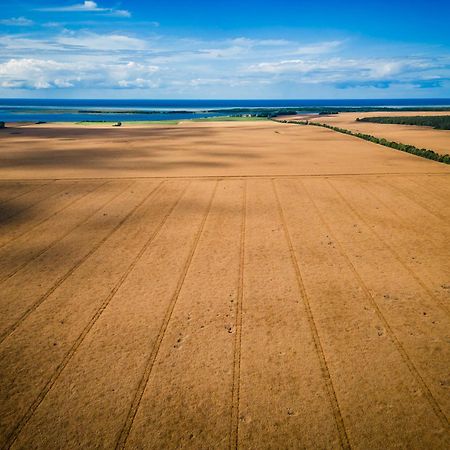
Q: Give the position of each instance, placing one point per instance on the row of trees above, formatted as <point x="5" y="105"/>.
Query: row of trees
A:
<point x="423" y="152"/>
<point x="437" y="122"/>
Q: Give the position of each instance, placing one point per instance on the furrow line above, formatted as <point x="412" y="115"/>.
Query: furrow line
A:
<point x="442" y="195"/>
<point x="34" y="188"/>
<point x="61" y="280"/>
<point x="343" y="436"/>
<point x="32" y="205"/>
<point x="21" y="424"/>
<point x="412" y="368"/>
<point x="121" y="442"/>
<point x="413" y="199"/>
<point x="60" y="238"/>
<point x="234" y="420"/>
<point x="443" y="306"/>
<point x="221" y="177"/>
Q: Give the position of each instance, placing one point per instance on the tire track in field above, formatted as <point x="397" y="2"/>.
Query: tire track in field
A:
<point x="437" y="220"/>
<point x="343" y="436"/>
<point x="34" y="188"/>
<point x="398" y="345"/>
<point x="61" y="280"/>
<point x="422" y="205"/>
<point x="9" y="275"/>
<point x="441" y="191"/>
<point x="121" y="442"/>
<point x="444" y="307"/>
<point x="21" y="424"/>
<point x="37" y="202"/>
<point x="39" y="222"/>
<point x="235" y="390"/>
<point x="257" y="176"/>
<point x="20" y="211"/>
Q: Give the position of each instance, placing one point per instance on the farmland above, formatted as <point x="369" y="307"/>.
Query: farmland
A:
<point x="419" y="136"/>
<point x="221" y="285"/>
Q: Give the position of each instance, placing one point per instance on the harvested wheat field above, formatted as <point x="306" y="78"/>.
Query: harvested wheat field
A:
<point x="250" y="285"/>
<point x="421" y="137"/>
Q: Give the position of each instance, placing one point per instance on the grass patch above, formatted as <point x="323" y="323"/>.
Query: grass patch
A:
<point x="93" y="123"/>
<point x="228" y="119"/>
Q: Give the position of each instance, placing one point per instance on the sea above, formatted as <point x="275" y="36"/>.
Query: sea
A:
<point x="72" y="110"/>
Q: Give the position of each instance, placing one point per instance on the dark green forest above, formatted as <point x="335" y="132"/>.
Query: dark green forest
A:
<point x="437" y="122"/>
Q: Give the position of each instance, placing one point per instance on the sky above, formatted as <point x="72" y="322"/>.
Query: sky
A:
<point x="190" y="49"/>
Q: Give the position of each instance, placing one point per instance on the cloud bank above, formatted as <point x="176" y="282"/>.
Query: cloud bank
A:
<point x="157" y="65"/>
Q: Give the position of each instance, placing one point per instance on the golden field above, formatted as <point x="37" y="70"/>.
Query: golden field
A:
<point x="222" y="285"/>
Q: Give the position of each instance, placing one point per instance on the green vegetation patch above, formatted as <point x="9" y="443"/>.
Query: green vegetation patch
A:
<point x="94" y="123"/>
<point x="437" y="122"/>
<point x="228" y="119"/>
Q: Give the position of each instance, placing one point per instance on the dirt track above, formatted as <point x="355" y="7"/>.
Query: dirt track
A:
<point x="297" y="297"/>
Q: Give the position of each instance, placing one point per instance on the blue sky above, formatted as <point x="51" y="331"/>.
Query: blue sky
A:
<point x="233" y="49"/>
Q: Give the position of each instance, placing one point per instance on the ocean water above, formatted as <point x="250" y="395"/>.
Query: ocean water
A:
<point x="65" y="110"/>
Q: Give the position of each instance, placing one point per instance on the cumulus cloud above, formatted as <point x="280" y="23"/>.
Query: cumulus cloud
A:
<point x="88" y="6"/>
<point x="29" y="73"/>
<point x="17" y="22"/>
<point x="350" y="72"/>
<point x="175" y="65"/>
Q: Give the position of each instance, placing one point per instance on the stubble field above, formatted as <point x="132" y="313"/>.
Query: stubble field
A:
<point x="421" y="137"/>
<point x="251" y="285"/>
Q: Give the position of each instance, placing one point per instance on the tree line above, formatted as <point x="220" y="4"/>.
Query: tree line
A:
<point x="437" y="122"/>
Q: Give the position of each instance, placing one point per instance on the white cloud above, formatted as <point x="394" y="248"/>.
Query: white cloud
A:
<point x="318" y="48"/>
<point x="88" y="6"/>
<point x="106" y="42"/>
<point x="29" y="72"/>
<point x="53" y="24"/>
<point x="243" y="41"/>
<point x="119" y="60"/>
<point x="227" y="52"/>
<point x="120" y="13"/>
<point x="352" y="71"/>
<point x="302" y="65"/>
<point x="32" y="73"/>
<point x="85" y="6"/>
<point x="17" y="21"/>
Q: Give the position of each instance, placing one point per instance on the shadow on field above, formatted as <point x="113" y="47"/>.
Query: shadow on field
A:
<point x="143" y="149"/>
<point x="10" y="210"/>
<point x="28" y="248"/>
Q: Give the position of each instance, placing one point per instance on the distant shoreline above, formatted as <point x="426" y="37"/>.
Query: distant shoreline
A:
<point x="108" y="113"/>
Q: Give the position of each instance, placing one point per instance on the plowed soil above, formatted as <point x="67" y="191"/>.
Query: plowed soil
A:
<point x="250" y="285"/>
